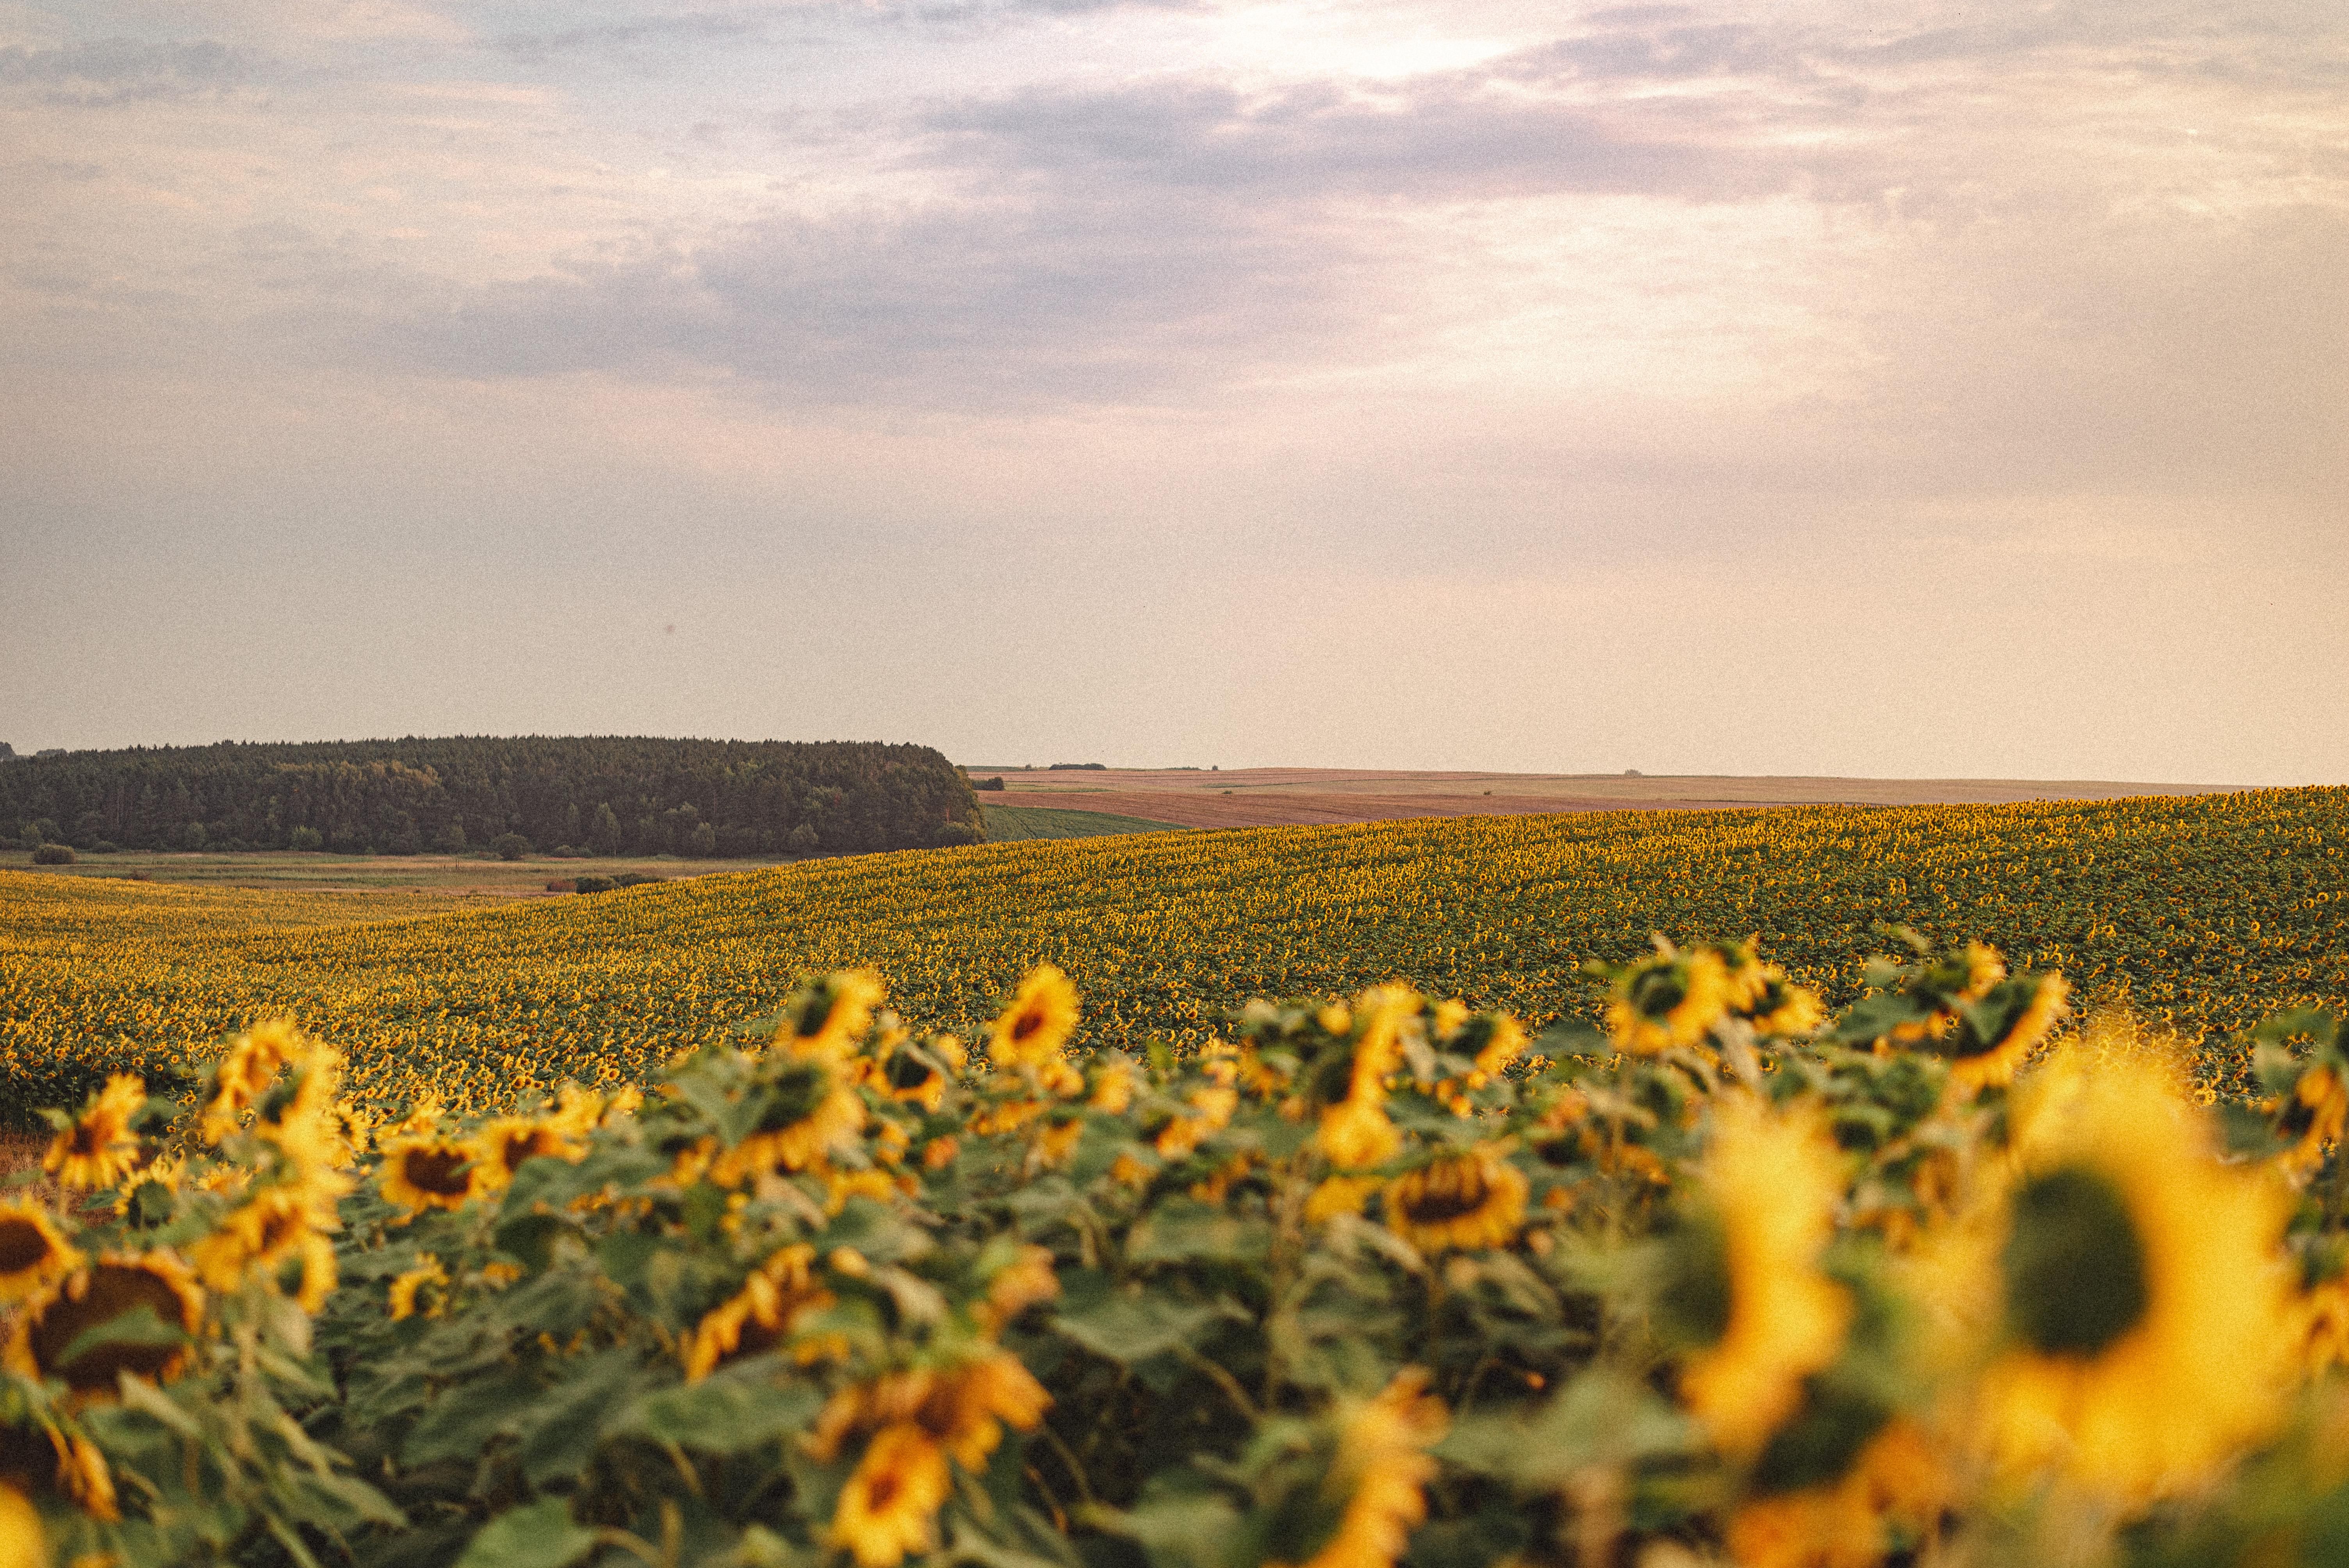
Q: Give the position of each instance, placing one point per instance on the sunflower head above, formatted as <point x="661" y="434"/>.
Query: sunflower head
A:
<point x="421" y="1291"/>
<point x="98" y="1148"/>
<point x="1043" y="1014"/>
<point x="887" y="1509"/>
<point x="1996" y="1032"/>
<point x="505" y="1143"/>
<point x="34" y="1251"/>
<point x="1666" y="1000"/>
<point x="245" y="1070"/>
<point x="151" y="1297"/>
<point x="1740" y="1290"/>
<point x="1348" y="1491"/>
<point x="422" y="1171"/>
<point x="1463" y="1202"/>
<point x="2144" y="1332"/>
<point x="827" y="1019"/>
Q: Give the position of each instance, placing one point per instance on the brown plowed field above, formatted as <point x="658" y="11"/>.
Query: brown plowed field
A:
<point x="1268" y="796"/>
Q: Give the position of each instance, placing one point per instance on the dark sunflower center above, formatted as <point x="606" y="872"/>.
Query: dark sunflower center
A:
<point x="521" y="1146"/>
<point x="444" y="1172"/>
<point x="908" y="1071"/>
<point x="86" y="1139"/>
<point x="114" y="1289"/>
<point x="22" y="1245"/>
<point x="1027" y="1023"/>
<point x="1658" y="990"/>
<point x="797" y="1091"/>
<point x="812" y="1019"/>
<point x="1445" y="1193"/>
<point x="2074" y="1267"/>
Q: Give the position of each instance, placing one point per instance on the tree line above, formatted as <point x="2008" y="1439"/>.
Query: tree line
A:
<point x="605" y="795"/>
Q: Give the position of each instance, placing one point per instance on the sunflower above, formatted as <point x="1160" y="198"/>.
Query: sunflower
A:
<point x="827" y="1019"/>
<point x="1351" y="1084"/>
<point x="2312" y="1115"/>
<point x="23" y="1542"/>
<point x="273" y="1224"/>
<point x="1019" y="1284"/>
<point x="1042" y="1015"/>
<point x="1746" y="1293"/>
<point x="918" y="1074"/>
<point x="421" y="1291"/>
<point x="810" y="1113"/>
<point x="34" y="1254"/>
<point x="2320" y="1317"/>
<point x="94" y="1297"/>
<point x="1465" y="1203"/>
<point x="2145" y="1337"/>
<point x="244" y="1072"/>
<point x="98" y="1149"/>
<point x="1113" y="1084"/>
<point x="424" y="1171"/>
<point x="760" y="1316"/>
<point x="2018" y="1013"/>
<point x="1670" y="999"/>
<point x="502" y="1145"/>
<point x="353" y="1127"/>
<point x="82" y="1471"/>
<point x="1380" y="1470"/>
<point x="1896" y="1488"/>
<point x="1339" y="1195"/>
<point x="1211" y="1112"/>
<point x="887" y="1509"/>
<point x="961" y="1407"/>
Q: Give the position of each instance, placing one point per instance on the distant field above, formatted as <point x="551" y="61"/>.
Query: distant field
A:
<point x="2204" y="913"/>
<point x="1263" y="797"/>
<point x="1009" y="824"/>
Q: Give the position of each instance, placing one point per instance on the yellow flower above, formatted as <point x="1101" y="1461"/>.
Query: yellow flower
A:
<point x="82" y="1471"/>
<point x="762" y="1316"/>
<point x="962" y="1409"/>
<point x="1212" y="1107"/>
<point x="34" y="1254"/>
<point x="887" y="1509"/>
<point x="1895" y="1485"/>
<point x="23" y="1542"/>
<point x="1762" y="1316"/>
<point x="2315" y="1114"/>
<point x="97" y="1295"/>
<point x="839" y="1186"/>
<point x="1997" y="1063"/>
<point x="2145" y="1334"/>
<point x="1380" y="1470"/>
<point x="827" y="1020"/>
<point x="99" y="1148"/>
<point x="1355" y="1133"/>
<point x="1354" y="1130"/>
<point x="1113" y="1085"/>
<point x="353" y="1126"/>
<point x="913" y="1075"/>
<point x="422" y="1289"/>
<point x="1017" y="1286"/>
<point x="245" y="1070"/>
<point x="1340" y="1195"/>
<point x="811" y="1114"/>
<point x="1671" y="999"/>
<point x="1042" y="1015"/>
<point x="1500" y="1045"/>
<point x="501" y="1146"/>
<point x="425" y="1170"/>
<point x="273" y="1223"/>
<point x="1465" y="1203"/>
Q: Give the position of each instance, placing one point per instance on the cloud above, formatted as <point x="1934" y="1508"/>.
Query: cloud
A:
<point x="126" y="70"/>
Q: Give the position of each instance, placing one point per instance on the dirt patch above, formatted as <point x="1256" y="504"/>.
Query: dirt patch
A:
<point x="1243" y="808"/>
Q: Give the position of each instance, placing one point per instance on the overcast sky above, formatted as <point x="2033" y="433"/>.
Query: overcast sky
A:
<point x="1866" y="388"/>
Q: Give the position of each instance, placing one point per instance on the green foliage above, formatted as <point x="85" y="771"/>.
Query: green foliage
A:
<point x="509" y="846"/>
<point x="54" y="855"/>
<point x="400" y="797"/>
<point x="1009" y="824"/>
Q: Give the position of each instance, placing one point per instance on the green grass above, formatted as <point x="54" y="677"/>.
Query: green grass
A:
<point x="1005" y="824"/>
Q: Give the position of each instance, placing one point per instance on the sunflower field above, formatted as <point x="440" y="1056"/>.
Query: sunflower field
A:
<point x="1951" y="1276"/>
<point x="2201" y="914"/>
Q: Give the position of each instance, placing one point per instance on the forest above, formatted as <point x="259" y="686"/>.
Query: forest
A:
<point x="605" y="795"/>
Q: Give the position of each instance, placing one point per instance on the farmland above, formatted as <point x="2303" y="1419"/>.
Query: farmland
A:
<point x="2201" y="914"/>
<point x="1009" y="824"/>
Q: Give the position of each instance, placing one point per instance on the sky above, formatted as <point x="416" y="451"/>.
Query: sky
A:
<point x="1806" y="387"/>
